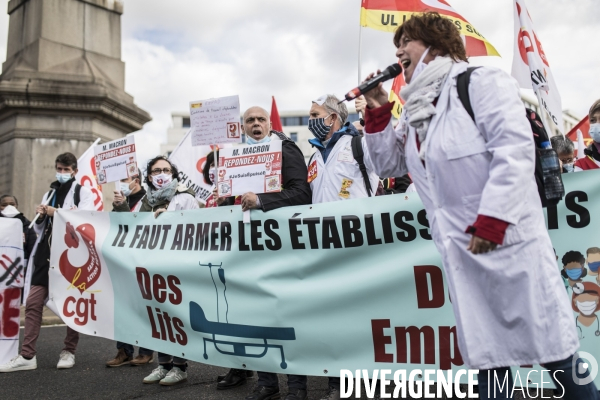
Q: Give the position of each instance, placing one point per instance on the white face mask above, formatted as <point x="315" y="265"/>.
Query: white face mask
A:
<point x="420" y="66"/>
<point x="161" y="180"/>
<point x="10" y="212"/>
<point x="125" y="189"/>
<point x="587" y="307"/>
<point x="595" y="132"/>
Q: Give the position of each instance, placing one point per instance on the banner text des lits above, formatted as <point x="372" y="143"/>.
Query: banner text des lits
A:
<point x="300" y="290"/>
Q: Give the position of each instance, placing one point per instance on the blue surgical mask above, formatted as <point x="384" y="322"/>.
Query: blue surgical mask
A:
<point x="594" y="266"/>
<point x="251" y="140"/>
<point x="595" y="132"/>
<point x="63" y="178"/>
<point x="125" y="189"/>
<point x="568" y="167"/>
<point x="574" y="274"/>
<point x="318" y="127"/>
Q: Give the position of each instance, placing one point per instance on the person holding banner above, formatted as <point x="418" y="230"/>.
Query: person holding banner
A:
<point x="475" y="178"/>
<point x="65" y="194"/>
<point x="592" y="153"/>
<point x="128" y="199"/>
<point x="165" y="193"/>
<point x="333" y="172"/>
<point x="295" y="191"/>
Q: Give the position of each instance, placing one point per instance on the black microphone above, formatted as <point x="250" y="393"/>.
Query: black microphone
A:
<point x="390" y="72"/>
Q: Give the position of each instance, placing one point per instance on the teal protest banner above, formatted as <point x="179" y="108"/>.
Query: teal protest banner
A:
<point x="303" y="290"/>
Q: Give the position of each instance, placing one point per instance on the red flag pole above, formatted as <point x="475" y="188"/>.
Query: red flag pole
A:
<point x="275" y="120"/>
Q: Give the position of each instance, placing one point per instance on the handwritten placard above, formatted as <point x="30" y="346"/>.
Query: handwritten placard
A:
<point x="115" y="160"/>
<point x="216" y="121"/>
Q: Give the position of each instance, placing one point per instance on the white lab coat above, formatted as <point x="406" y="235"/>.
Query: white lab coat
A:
<point x="510" y="304"/>
<point x="339" y="169"/>
<point x="86" y="202"/>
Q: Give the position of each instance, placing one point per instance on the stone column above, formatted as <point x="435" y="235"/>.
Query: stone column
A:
<point x="62" y="86"/>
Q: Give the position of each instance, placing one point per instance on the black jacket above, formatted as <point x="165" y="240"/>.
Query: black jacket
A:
<point x="296" y="190"/>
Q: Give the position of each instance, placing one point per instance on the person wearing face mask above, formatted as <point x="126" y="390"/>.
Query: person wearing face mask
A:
<point x="592" y="152"/>
<point x="128" y="199"/>
<point x="333" y="173"/>
<point x="566" y="152"/>
<point x="165" y="193"/>
<point x="573" y="267"/>
<point x="9" y="209"/>
<point x="593" y="262"/>
<point x="68" y="195"/>
<point x="474" y="178"/>
<point x="586" y="301"/>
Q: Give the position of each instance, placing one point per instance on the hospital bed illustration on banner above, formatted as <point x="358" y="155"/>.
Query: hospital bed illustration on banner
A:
<point x="200" y="323"/>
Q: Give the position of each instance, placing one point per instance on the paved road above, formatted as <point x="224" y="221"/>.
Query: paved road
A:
<point x="90" y="379"/>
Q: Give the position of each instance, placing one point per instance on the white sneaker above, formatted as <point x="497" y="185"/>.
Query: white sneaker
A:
<point x="67" y="360"/>
<point x="19" y="363"/>
<point x="156" y="375"/>
<point x="174" y="377"/>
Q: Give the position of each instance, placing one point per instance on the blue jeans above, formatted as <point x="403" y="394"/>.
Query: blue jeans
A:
<point x="271" y="380"/>
<point x="572" y="390"/>
<point x="129" y="350"/>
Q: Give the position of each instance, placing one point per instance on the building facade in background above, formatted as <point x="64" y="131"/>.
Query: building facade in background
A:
<point x="62" y="86"/>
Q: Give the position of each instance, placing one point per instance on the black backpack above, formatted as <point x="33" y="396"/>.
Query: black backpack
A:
<point x="537" y="129"/>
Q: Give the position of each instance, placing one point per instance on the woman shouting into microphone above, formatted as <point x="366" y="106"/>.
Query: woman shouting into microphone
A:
<point x="476" y="179"/>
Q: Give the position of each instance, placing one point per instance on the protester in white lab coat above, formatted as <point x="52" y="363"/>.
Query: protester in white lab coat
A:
<point x="333" y="173"/>
<point x="67" y="194"/>
<point x="477" y="183"/>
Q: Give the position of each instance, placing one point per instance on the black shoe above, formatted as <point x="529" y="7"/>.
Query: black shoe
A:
<point x="296" y="394"/>
<point x="264" y="393"/>
<point x="234" y="378"/>
<point x="249" y="374"/>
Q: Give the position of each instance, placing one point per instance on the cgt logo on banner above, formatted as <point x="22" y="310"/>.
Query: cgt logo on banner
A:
<point x="11" y="282"/>
<point x="206" y="286"/>
<point x="80" y="289"/>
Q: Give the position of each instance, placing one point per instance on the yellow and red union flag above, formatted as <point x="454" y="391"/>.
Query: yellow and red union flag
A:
<point x="387" y="15"/>
<point x="397" y="84"/>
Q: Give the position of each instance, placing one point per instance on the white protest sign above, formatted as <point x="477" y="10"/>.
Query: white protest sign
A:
<point x="11" y="281"/>
<point x="216" y="121"/>
<point x="255" y="168"/>
<point x="532" y="69"/>
<point x="115" y="160"/>
<point x="190" y="161"/>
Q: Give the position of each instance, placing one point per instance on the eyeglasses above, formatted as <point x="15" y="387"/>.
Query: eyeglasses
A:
<point x="157" y="171"/>
<point x="566" y="160"/>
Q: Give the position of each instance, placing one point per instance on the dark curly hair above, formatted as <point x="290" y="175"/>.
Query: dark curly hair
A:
<point x="174" y="170"/>
<point x="436" y="31"/>
<point x="573" y="256"/>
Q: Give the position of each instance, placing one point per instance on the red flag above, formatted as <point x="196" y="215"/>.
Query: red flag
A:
<point x="275" y="120"/>
<point x="584" y="126"/>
